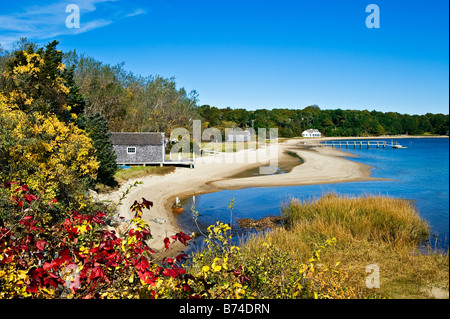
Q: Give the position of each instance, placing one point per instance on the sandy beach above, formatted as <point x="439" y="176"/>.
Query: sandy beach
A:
<point x="212" y="174"/>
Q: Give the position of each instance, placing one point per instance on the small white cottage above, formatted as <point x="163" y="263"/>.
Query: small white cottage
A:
<point x="312" y="133"/>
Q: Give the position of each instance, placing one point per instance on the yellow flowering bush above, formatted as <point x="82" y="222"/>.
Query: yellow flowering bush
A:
<point x="38" y="75"/>
<point x="46" y="154"/>
<point x="40" y="143"/>
<point x="226" y="271"/>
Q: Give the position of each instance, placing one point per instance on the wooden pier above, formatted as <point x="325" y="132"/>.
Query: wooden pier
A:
<point x="353" y="144"/>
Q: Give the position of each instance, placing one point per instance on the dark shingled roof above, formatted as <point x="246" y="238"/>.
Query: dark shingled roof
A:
<point x="147" y="138"/>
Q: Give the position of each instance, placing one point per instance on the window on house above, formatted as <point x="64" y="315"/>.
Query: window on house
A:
<point x="131" y="150"/>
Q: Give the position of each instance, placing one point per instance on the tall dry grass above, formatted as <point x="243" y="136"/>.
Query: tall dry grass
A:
<point x="373" y="219"/>
<point x="369" y="230"/>
<point x="123" y="175"/>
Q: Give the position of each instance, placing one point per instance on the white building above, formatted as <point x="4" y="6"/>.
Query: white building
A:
<point x="311" y="133"/>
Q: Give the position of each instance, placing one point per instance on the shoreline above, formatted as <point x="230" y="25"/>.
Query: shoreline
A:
<point x="321" y="165"/>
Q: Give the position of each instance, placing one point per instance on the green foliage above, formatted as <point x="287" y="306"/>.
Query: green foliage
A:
<point x="130" y="102"/>
<point x="96" y="127"/>
<point x="40" y="82"/>
<point x="292" y="123"/>
<point x="263" y="270"/>
<point x="40" y="144"/>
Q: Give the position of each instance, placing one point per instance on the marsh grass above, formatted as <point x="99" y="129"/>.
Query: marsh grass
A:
<point x="123" y="175"/>
<point x="369" y="230"/>
<point x="372" y="219"/>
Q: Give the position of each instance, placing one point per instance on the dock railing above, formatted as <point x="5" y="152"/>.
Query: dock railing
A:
<point x="351" y="144"/>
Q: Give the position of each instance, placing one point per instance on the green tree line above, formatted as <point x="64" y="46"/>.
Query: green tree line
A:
<point x="292" y="123"/>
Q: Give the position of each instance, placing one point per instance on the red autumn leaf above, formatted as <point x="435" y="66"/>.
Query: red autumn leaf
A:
<point x="29" y="198"/>
<point x="96" y="272"/>
<point x="243" y="279"/>
<point x="143" y="264"/>
<point x="146" y="203"/>
<point x="98" y="220"/>
<point x="37" y="273"/>
<point x="136" y="206"/>
<point x="181" y="257"/>
<point x="101" y="214"/>
<point x="182" y="237"/>
<point x="169" y="273"/>
<point x="24" y="188"/>
<point x="53" y="275"/>
<point x="111" y="256"/>
<point x="102" y="245"/>
<point x="40" y="244"/>
<point x="28" y="217"/>
<point x="186" y="287"/>
<point x="167" y="242"/>
<point x="64" y="253"/>
<point x="148" y="277"/>
<point x="67" y="222"/>
<point x="32" y="289"/>
<point x="33" y="228"/>
<point x="17" y="201"/>
<point x="146" y="232"/>
<point x="180" y="271"/>
<point x="48" y="265"/>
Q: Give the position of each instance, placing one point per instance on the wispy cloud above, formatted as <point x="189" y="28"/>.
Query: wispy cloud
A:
<point x="135" y="13"/>
<point x="49" y="21"/>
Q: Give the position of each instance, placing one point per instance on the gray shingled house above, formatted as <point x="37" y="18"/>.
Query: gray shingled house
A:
<point x="138" y="148"/>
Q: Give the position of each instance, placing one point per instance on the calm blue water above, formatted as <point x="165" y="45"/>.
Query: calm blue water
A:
<point x="420" y="173"/>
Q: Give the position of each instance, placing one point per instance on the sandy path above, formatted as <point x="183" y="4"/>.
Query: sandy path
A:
<point x="321" y="165"/>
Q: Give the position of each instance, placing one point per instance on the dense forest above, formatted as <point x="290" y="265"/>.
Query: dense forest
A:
<point x="291" y="123"/>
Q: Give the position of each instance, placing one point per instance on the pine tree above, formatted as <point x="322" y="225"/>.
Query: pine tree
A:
<point x="97" y="129"/>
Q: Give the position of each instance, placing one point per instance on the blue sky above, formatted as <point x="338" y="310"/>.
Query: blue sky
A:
<point x="262" y="54"/>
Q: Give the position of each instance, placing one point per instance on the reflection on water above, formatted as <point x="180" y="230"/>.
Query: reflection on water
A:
<point x="221" y="212"/>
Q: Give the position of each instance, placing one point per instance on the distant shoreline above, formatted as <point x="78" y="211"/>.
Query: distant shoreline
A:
<point x="387" y="137"/>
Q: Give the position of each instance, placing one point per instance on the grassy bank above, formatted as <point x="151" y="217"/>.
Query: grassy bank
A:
<point x="134" y="172"/>
<point x="369" y="231"/>
<point x="325" y="248"/>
